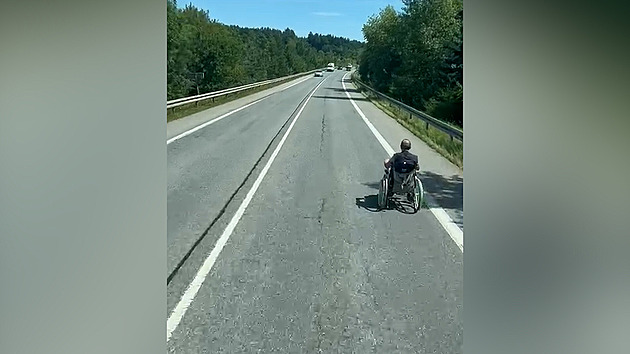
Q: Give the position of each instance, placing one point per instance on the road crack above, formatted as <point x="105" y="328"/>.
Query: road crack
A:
<point x="321" y="140"/>
<point x="321" y="213"/>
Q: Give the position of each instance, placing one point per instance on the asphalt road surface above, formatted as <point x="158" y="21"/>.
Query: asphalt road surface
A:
<point x="275" y="243"/>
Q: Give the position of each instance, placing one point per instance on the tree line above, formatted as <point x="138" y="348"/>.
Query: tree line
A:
<point x="416" y="56"/>
<point x="231" y="55"/>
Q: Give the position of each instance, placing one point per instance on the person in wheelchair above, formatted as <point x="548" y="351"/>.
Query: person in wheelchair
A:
<point x="402" y="163"/>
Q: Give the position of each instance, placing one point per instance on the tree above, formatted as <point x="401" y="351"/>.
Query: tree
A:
<point x="382" y="56"/>
<point x="416" y="55"/>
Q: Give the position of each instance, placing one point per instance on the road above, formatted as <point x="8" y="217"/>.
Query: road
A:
<point x="289" y="255"/>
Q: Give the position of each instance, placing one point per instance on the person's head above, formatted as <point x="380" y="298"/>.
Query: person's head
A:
<point x="405" y="145"/>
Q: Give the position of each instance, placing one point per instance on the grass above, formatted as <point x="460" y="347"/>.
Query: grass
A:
<point x="192" y="108"/>
<point x="452" y="150"/>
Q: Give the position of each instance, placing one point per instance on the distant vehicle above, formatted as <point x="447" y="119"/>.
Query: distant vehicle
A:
<point x="349" y="67"/>
<point x="319" y="73"/>
<point x="331" y="67"/>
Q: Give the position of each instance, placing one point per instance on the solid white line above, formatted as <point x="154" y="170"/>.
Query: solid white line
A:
<point x="440" y="214"/>
<point x="179" y="311"/>
<point x="188" y="132"/>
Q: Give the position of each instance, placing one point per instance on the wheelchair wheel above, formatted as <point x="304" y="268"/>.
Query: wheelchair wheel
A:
<point x="382" y="193"/>
<point x="418" y="194"/>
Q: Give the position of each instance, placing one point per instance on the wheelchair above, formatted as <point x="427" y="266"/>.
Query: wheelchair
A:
<point x="400" y="184"/>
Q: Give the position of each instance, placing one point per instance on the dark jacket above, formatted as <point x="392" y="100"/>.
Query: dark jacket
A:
<point x="404" y="162"/>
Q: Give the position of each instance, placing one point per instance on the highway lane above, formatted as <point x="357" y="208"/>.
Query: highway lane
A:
<point x="206" y="167"/>
<point x="311" y="268"/>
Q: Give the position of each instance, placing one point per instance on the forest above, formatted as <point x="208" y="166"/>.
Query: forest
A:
<point x="204" y="53"/>
<point x="416" y="56"/>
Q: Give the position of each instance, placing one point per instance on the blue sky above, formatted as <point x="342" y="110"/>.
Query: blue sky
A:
<point x="343" y="18"/>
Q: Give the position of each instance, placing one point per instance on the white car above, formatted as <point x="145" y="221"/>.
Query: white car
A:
<point x="319" y="73"/>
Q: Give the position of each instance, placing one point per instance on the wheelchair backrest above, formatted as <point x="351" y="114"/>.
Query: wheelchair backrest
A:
<point x="403" y="177"/>
<point x="404" y="166"/>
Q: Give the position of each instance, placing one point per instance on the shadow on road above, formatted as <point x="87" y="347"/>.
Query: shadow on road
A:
<point x="402" y="205"/>
<point x="447" y="191"/>
<point x="342" y="98"/>
<point x="368" y="202"/>
<point x="342" y="90"/>
<point x="373" y="185"/>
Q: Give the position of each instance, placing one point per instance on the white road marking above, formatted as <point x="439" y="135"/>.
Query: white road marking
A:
<point x="447" y="223"/>
<point x="188" y="132"/>
<point x="186" y="299"/>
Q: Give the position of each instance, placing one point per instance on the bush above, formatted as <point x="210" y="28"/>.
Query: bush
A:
<point x="447" y="105"/>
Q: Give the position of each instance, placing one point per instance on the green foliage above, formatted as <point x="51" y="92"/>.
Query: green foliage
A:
<point x="231" y="55"/>
<point x="447" y="104"/>
<point x="416" y="55"/>
<point x="382" y="55"/>
<point x="338" y="50"/>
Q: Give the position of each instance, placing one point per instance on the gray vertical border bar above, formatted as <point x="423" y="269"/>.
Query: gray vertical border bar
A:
<point x="82" y="177"/>
<point x="547" y="188"/>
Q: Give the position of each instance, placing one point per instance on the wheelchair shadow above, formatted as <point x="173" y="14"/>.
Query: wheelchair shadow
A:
<point x="368" y="202"/>
<point x="403" y="207"/>
<point x="374" y="185"/>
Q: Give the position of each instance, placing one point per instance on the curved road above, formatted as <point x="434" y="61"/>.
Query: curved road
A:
<point x="303" y="263"/>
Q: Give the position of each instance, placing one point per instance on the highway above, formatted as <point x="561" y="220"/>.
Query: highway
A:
<point x="274" y="240"/>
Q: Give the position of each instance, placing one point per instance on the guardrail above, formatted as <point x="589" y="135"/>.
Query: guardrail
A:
<point x="195" y="99"/>
<point x="452" y="131"/>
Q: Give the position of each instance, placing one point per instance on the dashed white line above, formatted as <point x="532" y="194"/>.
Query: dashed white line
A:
<point x="186" y="299"/>
<point x="188" y="132"/>
<point x="440" y="214"/>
